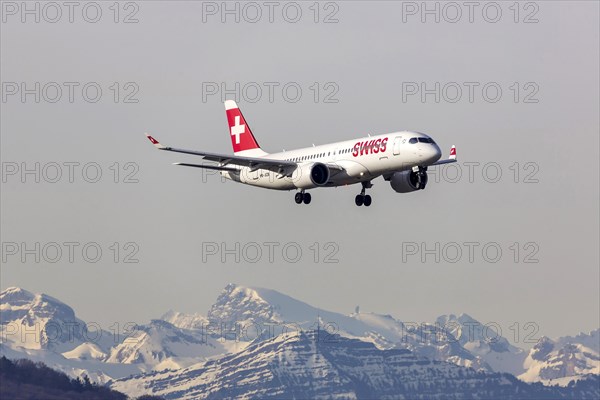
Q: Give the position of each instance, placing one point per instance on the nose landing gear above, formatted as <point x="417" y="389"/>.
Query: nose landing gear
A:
<point x="420" y="177"/>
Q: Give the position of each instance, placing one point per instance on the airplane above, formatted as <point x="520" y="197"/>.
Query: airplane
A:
<point x="401" y="158"/>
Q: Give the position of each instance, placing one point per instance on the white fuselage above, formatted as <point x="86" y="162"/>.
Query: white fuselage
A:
<point x="360" y="160"/>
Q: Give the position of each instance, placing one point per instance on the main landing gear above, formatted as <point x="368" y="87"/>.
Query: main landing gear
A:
<point x="302" y="197"/>
<point x="362" y="198"/>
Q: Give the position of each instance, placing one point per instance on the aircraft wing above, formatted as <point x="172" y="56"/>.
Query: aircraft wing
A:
<point x="205" y="166"/>
<point x="254" y="163"/>
<point x="448" y="160"/>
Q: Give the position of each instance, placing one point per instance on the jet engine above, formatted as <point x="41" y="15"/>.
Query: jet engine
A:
<point x="408" y="181"/>
<point x="311" y="175"/>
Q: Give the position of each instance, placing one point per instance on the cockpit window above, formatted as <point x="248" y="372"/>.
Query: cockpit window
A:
<point x="425" y="140"/>
<point x="412" y="140"/>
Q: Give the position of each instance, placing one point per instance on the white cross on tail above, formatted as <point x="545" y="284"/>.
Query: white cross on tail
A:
<point x="237" y="129"/>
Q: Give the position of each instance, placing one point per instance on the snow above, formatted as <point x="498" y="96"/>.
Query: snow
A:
<point x="182" y="344"/>
<point x="86" y="351"/>
<point x="565" y="363"/>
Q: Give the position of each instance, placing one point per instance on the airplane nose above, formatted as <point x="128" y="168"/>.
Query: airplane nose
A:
<point x="434" y="153"/>
<point x="438" y="152"/>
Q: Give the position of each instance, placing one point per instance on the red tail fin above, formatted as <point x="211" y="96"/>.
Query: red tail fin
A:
<point x="241" y="136"/>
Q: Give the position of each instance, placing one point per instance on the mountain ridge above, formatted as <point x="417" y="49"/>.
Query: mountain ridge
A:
<point x="244" y="316"/>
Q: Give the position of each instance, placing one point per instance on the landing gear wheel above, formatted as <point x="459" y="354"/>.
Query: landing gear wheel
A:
<point x="363" y="198"/>
<point x="307" y="198"/>
<point x="421" y="176"/>
<point x="359" y="199"/>
<point x="298" y="198"/>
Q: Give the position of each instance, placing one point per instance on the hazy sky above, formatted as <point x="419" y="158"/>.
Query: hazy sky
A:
<point x="363" y="74"/>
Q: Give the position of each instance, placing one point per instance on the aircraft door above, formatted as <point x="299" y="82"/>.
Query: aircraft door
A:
<point x="397" y="143"/>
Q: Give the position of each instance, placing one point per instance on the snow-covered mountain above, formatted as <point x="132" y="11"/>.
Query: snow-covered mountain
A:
<point x="86" y="351"/>
<point x="271" y="312"/>
<point x="482" y="341"/>
<point x="185" y="321"/>
<point x="41" y="322"/>
<point x="42" y="328"/>
<point x="591" y="340"/>
<point x="563" y="360"/>
<point x="161" y="345"/>
<point x="243" y="320"/>
<point x="303" y="365"/>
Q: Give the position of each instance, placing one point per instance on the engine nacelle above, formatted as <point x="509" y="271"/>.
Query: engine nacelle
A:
<point x="408" y="181"/>
<point x="311" y="175"/>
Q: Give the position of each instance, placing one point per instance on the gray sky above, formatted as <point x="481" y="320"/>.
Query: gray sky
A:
<point x="368" y="61"/>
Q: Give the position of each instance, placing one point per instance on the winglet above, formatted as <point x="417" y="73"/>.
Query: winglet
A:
<point x="452" y="153"/>
<point x="155" y="142"/>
